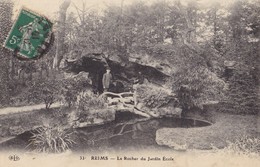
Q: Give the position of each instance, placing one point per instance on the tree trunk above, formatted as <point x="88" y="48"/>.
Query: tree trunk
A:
<point x="47" y="72"/>
<point x="12" y="68"/>
<point x="258" y="93"/>
<point x="61" y="33"/>
<point x="188" y="33"/>
<point x="215" y="26"/>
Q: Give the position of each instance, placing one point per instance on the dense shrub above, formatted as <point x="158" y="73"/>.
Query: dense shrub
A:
<point x="46" y="91"/>
<point x="194" y="83"/>
<point x="72" y="86"/>
<point x="242" y="94"/>
<point x="89" y="108"/>
<point x="89" y="101"/>
<point x="51" y="90"/>
<point x="154" y="97"/>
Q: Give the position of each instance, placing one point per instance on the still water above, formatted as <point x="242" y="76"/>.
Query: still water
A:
<point x="127" y="132"/>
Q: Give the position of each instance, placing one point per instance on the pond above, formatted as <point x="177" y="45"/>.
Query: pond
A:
<point x="127" y="132"/>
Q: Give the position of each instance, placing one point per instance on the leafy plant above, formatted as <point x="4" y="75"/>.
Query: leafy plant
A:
<point x="70" y="98"/>
<point x="47" y="91"/>
<point x="90" y="107"/>
<point x="245" y="145"/>
<point x="194" y="83"/>
<point x="153" y="97"/>
<point x="87" y="101"/>
<point x="51" y="140"/>
<point x="72" y="86"/>
<point x="242" y="95"/>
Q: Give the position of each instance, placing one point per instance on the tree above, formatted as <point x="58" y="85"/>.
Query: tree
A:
<point x="46" y="91"/>
<point x="242" y="50"/>
<point x="61" y="33"/>
<point x="6" y="8"/>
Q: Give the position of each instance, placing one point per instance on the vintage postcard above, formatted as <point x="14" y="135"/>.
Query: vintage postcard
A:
<point x="129" y="83"/>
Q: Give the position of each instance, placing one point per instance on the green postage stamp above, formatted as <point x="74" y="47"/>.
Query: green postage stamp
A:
<point x="30" y="35"/>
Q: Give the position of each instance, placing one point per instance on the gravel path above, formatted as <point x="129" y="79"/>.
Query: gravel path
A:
<point x="12" y="110"/>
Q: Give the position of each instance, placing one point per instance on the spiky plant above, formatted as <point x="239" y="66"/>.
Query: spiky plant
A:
<point x="51" y="140"/>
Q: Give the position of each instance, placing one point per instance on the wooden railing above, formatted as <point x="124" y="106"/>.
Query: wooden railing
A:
<point x="124" y="101"/>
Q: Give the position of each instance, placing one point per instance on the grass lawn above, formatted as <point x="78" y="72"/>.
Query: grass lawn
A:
<point x="226" y="128"/>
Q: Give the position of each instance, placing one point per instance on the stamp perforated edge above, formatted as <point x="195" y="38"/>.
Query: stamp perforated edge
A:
<point x="13" y="26"/>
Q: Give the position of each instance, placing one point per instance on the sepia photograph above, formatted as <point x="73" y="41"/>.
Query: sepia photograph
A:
<point x="167" y="83"/>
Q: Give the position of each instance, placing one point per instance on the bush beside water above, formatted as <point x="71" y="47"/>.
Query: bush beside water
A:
<point x="91" y="109"/>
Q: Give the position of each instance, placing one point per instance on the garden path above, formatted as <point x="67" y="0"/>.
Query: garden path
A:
<point x="12" y="110"/>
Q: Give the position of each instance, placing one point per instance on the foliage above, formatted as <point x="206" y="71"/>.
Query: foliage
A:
<point x="88" y="101"/>
<point x="194" y="83"/>
<point x="91" y="107"/>
<point x="70" y="88"/>
<point x="51" y="90"/>
<point x="163" y="31"/>
<point x="6" y="8"/>
<point x="154" y="97"/>
<point x="242" y="95"/>
<point x="138" y="25"/>
<point x="51" y="140"/>
<point x="194" y="39"/>
<point x="70" y="97"/>
<point x="245" y="145"/>
<point x="15" y="76"/>
<point x="46" y="91"/>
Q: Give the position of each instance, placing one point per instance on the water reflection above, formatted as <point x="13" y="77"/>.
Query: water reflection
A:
<point x="138" y="133"/>
<point x="127" y="132"/>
